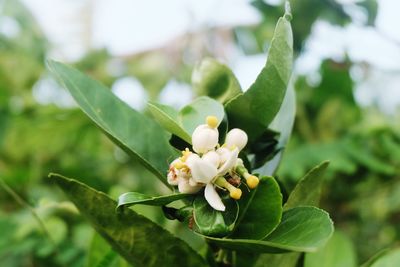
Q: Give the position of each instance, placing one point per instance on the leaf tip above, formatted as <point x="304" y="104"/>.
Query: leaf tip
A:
<point x="288" y="11"/>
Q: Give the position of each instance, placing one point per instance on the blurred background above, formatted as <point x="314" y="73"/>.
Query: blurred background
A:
<point x="346" y="76"/>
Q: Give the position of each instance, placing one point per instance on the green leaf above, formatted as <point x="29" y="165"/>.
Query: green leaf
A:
<point x="386" y="258"/>
<point x="254" y="110"/>
<point x="168" y="118"/>
<point x="260" y="210"/>
<point x="101" y="254"/>
<point x="338" y="252"/>
<point x="195" y="113"/>
<point x="140" y="241"/>
<point x="183" y="123"/>
<point x="216" y="80"/>
<point x="282" y="124"/>
<point x="132" y="198"/>
<point x="284" y="260"/>
<point x="212" y="222"/>
<point x="302" y="229"/>
<point x="138" y="135"/>
<point x="308" y="190"/>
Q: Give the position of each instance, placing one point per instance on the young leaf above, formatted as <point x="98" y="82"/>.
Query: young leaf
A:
<point x="168" y="118"/>
<point x="212" y="222"/>
<point x="302" y="229"/>
<point x="195" y="113"/>
<point x="136" y="134"/>
<point x="308" y="189"/>
<point x="140" y="241"/>
<point x="216" y="80"/>
<point x="254" y="110"/>
<point x="132" y="198"/>
<point x="338" y="252"/>
<point x="260" y="210"/>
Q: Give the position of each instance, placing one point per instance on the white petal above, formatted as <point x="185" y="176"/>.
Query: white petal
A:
<point x="212" y="157"/>
<point x="172" y="178"/>
<point x="186" y="188"/>
<point x="204" y="138"/>
<point x="213" y="198"/>
<point x="230" y="162"/>
<point x="202" y="171"/>
<point x="224" y="154"/>
<point x="237" y="138"/>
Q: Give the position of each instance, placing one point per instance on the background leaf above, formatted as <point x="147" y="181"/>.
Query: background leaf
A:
<point x="140" y="241"/>
<point x="386" y="258"/>
<point x="254" y="110"/>
<point x="338" y="252"/>
<point x="135" y="133"/>
<point x="260" y="210"/>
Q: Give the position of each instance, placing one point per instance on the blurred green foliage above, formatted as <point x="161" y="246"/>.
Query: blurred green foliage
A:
<point x="361" y="192"/>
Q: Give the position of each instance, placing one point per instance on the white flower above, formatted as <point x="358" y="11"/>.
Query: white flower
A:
<point x="236" y="138"/>
<point x="203" y="170"/>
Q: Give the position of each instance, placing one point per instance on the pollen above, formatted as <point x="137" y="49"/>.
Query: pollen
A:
<point x="212" y="121"/>
<point x="179" y="165"/>
<point x="235" y="193"/>
<point x="252" y="181"/>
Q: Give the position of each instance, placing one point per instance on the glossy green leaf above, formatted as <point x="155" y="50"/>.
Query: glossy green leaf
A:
<point x="386" y="258"/>
<point x="168" y="118"/>
<point x="260" y="210"/>
<point x="308" y="190"/>
<point x="100" y="253"/>
<point x="254" y="110"/>
<point x="195" y="113"/>
<point x="140" y="241"/>
<point x="211" y="222"/>
<point x="132" y="198"/>
<point x="216" y="80"/>
<point x="302" y="229"/>
<point x="338" y="252"/>
<point x="136" y="134"/>
<point x="282" y="124"/>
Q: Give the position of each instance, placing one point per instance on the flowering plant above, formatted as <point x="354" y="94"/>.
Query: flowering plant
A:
<point x="213" y="145"/>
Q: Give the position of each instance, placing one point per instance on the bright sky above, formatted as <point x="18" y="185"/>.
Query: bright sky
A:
<point x="128" y="26"/>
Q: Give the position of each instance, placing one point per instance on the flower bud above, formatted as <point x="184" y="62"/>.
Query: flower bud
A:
<point x="204" y="138"/>
<point x="236" y="138"/>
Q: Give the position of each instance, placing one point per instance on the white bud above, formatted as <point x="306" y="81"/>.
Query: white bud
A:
<point x="236" y="138"/>
<point x="204" y="138"/>
<point x="212" y="157"/>
<point x="186" y="188"/>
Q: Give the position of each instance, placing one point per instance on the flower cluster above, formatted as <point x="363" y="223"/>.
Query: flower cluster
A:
<point x="212" y="165"/>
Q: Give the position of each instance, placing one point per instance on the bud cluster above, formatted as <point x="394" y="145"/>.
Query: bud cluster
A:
<point x="211" y="165"/>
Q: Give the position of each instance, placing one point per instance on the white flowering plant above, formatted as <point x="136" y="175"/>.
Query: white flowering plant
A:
<point x="218" y="155"/>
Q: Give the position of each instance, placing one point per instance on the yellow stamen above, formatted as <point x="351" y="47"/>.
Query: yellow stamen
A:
<point x="235" y="193"/>
<point x="179" y="165"/>
<point x="212" y="121"/>
<point x="252" y="181"/>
